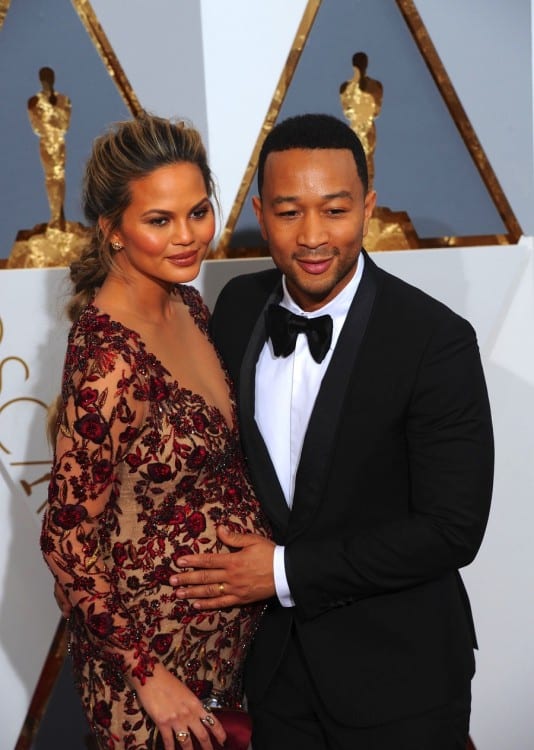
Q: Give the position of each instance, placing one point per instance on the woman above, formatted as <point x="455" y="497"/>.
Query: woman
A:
<point x="147" y="458"/>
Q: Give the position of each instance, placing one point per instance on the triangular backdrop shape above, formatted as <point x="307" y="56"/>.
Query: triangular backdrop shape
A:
<point x="416" y="132"/>
<point x="35" y="34"/>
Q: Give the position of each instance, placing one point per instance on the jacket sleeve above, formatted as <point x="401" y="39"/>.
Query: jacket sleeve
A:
<point x="447" y="436"/>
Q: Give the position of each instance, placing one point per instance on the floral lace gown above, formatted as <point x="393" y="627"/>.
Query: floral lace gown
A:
<point x="144" y="472"/>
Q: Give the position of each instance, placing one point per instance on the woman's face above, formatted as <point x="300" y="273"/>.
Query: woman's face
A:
<point x="168" y="226"/>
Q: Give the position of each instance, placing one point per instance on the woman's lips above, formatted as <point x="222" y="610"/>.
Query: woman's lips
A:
<point x="183" y="259"/>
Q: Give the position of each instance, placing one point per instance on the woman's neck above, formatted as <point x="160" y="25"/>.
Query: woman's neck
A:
<point x="148" y="299"/>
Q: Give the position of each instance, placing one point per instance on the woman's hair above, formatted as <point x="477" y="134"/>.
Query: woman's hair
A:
<point x="128" y="151"/>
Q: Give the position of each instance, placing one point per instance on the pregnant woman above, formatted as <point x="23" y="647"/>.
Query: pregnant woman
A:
<point x="147" y="461"/>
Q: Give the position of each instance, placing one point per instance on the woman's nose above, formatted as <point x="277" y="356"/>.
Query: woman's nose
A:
<point x="182" y="234"/>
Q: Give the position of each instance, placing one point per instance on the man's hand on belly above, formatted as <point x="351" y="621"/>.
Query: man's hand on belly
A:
<point x="228" y="579"/>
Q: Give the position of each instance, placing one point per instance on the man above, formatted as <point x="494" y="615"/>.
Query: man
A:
<point x="374" y="465"/>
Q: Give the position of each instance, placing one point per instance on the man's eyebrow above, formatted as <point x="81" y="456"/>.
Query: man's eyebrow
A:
<point x="284" y="199"/>
<point x="339" y="194"/>
<point x="328" y="197"/>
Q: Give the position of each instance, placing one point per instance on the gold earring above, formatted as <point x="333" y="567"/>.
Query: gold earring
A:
<point x="117" y="246"/>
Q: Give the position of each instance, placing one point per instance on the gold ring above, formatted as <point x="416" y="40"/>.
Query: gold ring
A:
<point x="221" y="589"/>
<point x="209" y="720"/>
<point x="182" y="736"/>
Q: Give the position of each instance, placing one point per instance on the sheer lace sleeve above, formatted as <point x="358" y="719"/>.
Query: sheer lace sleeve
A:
<point x="104" y="401"/>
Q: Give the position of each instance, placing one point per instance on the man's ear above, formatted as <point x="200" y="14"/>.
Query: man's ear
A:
<point x="369" y="204"/>
<point x="258" y="210"/>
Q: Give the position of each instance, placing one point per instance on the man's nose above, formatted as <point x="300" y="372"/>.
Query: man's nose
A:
<point x="312" y="231"/>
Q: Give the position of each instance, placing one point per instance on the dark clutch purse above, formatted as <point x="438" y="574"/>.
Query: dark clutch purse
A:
<point x="237" y="725"/>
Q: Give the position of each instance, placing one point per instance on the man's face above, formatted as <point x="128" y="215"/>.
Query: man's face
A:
<point x="314" y="215"/>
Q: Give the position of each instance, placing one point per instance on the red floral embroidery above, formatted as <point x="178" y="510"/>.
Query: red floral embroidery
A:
<point x="144" y="473"/>
<point x="200" y="421"/>
<point x="91" y="427"/>
<point x="196" y="523"/>
<point x="161" y="643"/>
<point x="101" y="624"/>
<point x="102" y="714"/>
<point x="159" y="472"/>
<point x="86" y="398"/>
<point x="102" y="470"/>
<point x="69" y="516"/>
<point x="119" y="553"/>
<point x="197" y="457"/>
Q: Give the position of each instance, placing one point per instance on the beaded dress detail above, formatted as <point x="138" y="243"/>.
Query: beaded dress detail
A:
<point x="144" y="472"/>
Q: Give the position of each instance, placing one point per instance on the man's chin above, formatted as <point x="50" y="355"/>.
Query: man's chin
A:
<point x="311" y="294"/>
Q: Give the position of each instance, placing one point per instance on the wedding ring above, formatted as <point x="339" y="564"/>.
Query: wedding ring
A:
<point x="209" y="720"/>
<point x="221" y="589"/>
<point x="182" y="736"/>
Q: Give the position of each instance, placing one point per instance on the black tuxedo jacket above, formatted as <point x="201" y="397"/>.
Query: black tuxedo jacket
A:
<point x="392" y="497"/>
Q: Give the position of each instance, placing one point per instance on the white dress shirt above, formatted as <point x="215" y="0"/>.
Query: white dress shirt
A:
<point x="286" y="389"/>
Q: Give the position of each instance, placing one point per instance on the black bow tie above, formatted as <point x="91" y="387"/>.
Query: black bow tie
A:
<point x="283" y="327"/>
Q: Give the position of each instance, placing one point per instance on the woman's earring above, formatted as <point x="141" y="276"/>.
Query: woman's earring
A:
<point x="117" y="246"/>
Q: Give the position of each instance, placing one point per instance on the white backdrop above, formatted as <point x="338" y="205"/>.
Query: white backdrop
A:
<point x="493" y="287"/>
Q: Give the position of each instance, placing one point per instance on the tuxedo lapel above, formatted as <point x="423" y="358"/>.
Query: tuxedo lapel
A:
<point x="263" y="473"/>
<point x="320" y="436"/>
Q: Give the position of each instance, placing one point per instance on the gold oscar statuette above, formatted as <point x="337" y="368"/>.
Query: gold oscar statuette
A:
<point x="361" y="99"/>
<point x="57" y="242"/>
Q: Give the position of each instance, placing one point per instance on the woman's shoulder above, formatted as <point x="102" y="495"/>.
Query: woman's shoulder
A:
<point x="95" y="327"/>
<point x="197" y="307"/>
<point x="99" y="344"/>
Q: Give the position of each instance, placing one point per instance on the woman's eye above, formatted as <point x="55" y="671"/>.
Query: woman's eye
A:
<point x="159" y="221"/>
<point x="201" y="211"/>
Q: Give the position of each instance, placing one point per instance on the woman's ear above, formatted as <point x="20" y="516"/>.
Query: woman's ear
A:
<point x="103" y="225"/>
<point x="114" y="238"/>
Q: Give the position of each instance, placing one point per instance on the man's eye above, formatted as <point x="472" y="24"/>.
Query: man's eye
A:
<point x="287" y="214"/>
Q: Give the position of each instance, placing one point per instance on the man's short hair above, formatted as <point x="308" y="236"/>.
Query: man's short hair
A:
<point x="313" y="131"/>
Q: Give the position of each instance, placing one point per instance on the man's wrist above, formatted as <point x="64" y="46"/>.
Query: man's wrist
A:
<point x="280" y="579"/>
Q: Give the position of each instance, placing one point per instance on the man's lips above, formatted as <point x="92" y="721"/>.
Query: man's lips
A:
<point x="315" y="265"/>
